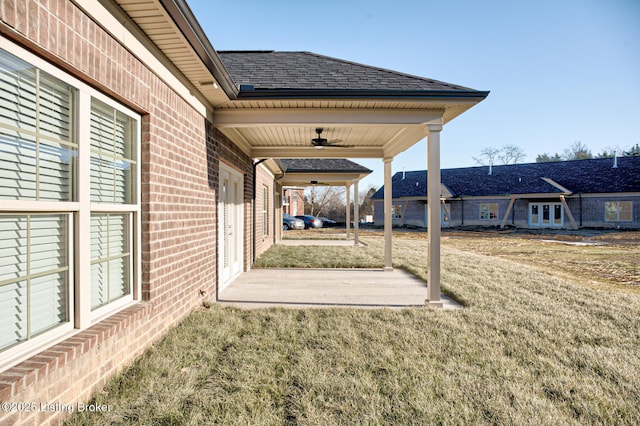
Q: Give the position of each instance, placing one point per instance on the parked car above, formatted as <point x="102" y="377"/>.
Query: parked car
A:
<point x="326" y="222"/>
<point x="310" y="221"/>
<point x="290" y="222"/>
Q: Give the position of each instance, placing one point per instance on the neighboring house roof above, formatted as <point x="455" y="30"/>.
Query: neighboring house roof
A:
<point x="579" y="177"/>
<point x="269" y="70"/>
<point x="322" y="165"/>
<point x="320" y="171"/>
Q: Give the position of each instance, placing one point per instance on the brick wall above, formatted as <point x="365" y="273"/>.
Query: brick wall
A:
<point x="296" y="205"/>
<point x="180" y="153"/>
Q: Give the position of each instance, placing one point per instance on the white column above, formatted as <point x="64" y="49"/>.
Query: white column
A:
<point x="433" y="201"/>
<point x="388" y="223"/>
<point x="348" y="224"/>
<point x="356" y="212"/>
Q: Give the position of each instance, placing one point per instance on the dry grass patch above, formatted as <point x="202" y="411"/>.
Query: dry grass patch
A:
<point x="530" y="348"/>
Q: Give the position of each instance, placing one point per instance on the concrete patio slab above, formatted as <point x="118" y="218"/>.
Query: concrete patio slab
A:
<point x="365" y="288"/>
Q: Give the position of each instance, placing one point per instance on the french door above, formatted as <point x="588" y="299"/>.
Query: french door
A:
<point x="230" y="224"/>
<point x="546" y="215"/>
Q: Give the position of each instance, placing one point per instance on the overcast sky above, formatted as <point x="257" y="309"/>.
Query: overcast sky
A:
<point x="558" y="71"/>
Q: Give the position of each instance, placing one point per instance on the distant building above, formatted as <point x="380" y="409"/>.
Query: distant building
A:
<point x="599" y="193"/>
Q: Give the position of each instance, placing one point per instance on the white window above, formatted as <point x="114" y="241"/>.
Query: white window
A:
<point x="618" y="211"/>
<point x="34" y="275"/>
<point x="488" y="211"/>
<point x="397" y="210"/>
<point x="69" y="204"/>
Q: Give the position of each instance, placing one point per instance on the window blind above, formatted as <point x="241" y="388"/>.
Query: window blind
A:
<point x="33" y="276"/>
<point x="111" y="158"/>
<point x="110" y="258"/>
<point x="37" y="150"/>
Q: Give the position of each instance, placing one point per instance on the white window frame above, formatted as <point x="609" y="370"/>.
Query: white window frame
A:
<point x="618" y="209"/>
<point x="79" y="212"/>
<point x="552" y="207"/>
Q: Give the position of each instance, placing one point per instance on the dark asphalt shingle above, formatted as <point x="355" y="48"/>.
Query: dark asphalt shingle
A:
<point x="322" y="165"/>
<point x="580" y="177"/>
<point x="305" y="70"/>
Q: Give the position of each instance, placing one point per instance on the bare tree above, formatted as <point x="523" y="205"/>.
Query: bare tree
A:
<point x="321" y="197"/>
<point x="487" y="156"/>
<point x="508" y="154"/>
<point x="511" y="154"/>
<point x="577" y="151"/>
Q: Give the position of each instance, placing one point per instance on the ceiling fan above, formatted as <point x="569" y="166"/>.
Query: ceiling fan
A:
<point x="320" y="142"/>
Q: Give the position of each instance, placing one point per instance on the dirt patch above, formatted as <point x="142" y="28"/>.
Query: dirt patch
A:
<point x="601" y="259"/>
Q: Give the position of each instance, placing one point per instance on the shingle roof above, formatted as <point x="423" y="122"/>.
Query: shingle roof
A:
<point x="305" y="70"/>
<point x="322" y="165"/>
<point x="579" y="177"/>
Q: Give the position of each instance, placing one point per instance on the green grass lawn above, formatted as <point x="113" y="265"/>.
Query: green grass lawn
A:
<point x="529" y="348"/>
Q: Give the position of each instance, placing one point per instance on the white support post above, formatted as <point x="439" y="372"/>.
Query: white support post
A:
<point x="356" y="212"/>
<point x="433" y="201"/>
<point x="388" y="215"/>
<point x="348" y="224"/>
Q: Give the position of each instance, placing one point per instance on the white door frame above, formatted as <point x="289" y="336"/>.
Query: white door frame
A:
<point x="230" y="225"/>
<point x="540" y="223"/>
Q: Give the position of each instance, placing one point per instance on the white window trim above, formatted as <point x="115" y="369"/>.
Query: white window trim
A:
<point x="21" y="351"/>
<point x="79" y="291"/>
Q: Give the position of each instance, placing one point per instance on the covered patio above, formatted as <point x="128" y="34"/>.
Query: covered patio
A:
<point x="325" y="172"/>
<point x="363" y="111"/>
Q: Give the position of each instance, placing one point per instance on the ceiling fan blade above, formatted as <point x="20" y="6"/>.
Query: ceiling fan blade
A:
<point x="339" y="146"/>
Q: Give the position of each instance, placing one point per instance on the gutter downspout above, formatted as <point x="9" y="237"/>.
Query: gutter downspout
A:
<point x="253" y="201"/>
<point x="580" y="197"/>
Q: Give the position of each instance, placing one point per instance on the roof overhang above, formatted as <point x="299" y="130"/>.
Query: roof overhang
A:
<point x="280" y="123"/>
<point x="371" y="128"/>
<point x="175" y="33"/>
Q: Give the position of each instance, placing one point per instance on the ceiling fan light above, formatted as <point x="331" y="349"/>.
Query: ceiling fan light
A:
<point x="318" y="146"/>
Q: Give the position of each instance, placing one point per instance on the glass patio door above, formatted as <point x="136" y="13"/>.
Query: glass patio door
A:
<point x="546" y="215"/>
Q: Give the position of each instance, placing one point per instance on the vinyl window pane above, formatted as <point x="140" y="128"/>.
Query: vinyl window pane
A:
<point x="13" y="313"/>
<point x="34" y="275"/>
<point x="48" y="302"/>
<point x="110" y="258"/>
<point x="112" y="162"/>
<point x="36" y="133"/>
<point x="13" y="247"/>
